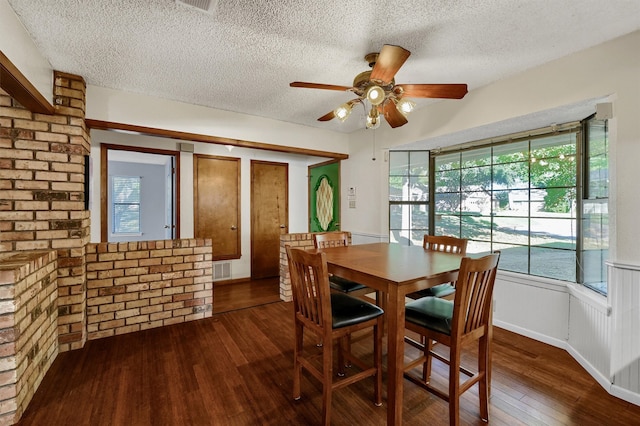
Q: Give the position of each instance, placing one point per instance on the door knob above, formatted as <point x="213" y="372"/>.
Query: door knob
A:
<point x="283" y="226"/>
<point x="233" y="227"/>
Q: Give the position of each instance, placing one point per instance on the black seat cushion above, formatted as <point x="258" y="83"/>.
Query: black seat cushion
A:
<point x="442" y="290"/>
<point x="349" y="310"/>
<point x="432" y="313"/>
<point x="344" y="285"/>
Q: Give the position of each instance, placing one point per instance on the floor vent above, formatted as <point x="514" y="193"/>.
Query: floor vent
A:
<point x="222" y="271"/>
<point x="207" y="6"/>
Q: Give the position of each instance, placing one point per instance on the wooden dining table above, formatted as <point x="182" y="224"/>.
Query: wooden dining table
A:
<point x="394" y="270"/>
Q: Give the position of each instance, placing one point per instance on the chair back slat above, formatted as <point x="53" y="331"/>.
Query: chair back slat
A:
<point x="472" y="304"/>
<point x="445" y="244"/>
<point x="310" y="286"/>
<point x="330" y="239"/>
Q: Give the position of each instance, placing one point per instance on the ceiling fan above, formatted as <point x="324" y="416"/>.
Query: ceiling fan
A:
<point x="378" y="87"/>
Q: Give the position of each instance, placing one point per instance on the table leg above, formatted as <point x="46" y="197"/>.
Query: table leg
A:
<point x="395" y="356"/>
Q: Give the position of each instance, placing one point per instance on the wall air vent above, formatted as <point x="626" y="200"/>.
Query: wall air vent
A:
<point x="207" y="6"/>
<point x="221" y="271"/>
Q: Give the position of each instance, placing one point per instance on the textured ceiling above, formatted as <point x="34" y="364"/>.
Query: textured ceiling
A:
<point x="242" y="56"/>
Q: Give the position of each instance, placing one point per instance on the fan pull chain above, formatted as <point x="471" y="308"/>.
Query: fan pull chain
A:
<point x="374" y="146"/>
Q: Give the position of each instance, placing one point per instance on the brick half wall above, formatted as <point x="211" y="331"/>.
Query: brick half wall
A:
<point x="28" y="327"/>
<point x="300" y="240"/>
<point x="134" y="286"/>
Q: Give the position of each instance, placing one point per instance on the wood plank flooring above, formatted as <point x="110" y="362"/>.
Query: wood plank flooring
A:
<point x="230" y="297"/>
<point x="236" y="369"/>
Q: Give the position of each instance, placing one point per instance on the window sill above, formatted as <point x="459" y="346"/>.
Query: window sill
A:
<point x="127" y="234"/>
<point x="533" y="280"/>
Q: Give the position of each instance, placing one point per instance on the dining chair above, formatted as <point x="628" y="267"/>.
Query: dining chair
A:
<point x="446" y="244"/>
<point x="340" y="239"/>
<point x="455" y="323"/>
<point x="330" y="317"/>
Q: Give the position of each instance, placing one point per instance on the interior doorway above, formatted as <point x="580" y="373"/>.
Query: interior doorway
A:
<point x="139" y="194"/>
<point x="269" y="216"/>
<point x="216" y="201"/>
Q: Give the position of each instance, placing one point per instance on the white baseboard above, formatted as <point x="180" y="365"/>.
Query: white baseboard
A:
<point x="532" y="334"/>
<point x="598" y="376"/>
<point x="625" y="394"/>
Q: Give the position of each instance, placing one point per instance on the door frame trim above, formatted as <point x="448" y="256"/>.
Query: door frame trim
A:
<point x="104" y="183"/>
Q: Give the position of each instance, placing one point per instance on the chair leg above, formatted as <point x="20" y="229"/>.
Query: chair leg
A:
<point x="426" y="367"/>
<point x="297" y="367"/>
<point x="327" y="381"/>
<point x="378" y="331"/>
<point x="483" y="385"/>
<point x="348" y="350"/>
<point x="454" y="386"/>
<point x="342" y="349"/>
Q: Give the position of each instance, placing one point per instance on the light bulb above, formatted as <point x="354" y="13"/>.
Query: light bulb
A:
<point x="405" y="106"/>
<point x="373" y="119"/>
<point x="343" y="111"/>
<point x="375" y="95"/>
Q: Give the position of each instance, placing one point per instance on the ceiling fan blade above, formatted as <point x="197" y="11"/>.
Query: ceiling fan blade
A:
<point x="328" y="116"/>
<point x="448" y="91"/>
<point x="319" y="86"/>
<point x="394" y="117"/>
<point x="389" y="62"/>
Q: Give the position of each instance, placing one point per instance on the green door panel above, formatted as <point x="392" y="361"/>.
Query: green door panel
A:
<point x="324" y="197"/>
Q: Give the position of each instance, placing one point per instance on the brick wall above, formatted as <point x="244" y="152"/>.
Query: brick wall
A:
<point x="28" y="327"/>
<point x="303" y="241"/>
<point x="138" y="285"/>
<point x="42" y="193"/>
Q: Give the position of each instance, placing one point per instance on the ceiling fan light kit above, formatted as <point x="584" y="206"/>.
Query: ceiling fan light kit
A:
<point x="378" y="88"/>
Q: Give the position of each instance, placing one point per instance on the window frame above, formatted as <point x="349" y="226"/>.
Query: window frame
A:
<point x="579" y="194"/>
<point x="410" y="204"/>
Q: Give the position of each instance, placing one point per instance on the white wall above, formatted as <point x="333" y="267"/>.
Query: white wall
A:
<point x="16" y="44"/>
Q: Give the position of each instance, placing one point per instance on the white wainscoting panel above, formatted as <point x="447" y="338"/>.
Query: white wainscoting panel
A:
<point x="624" y="294"/>
<point x="532" y="306"/>
<point x="589" y="334"/>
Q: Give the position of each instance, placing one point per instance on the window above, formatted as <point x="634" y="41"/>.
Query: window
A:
<point x="408" y="196"/>
<point x="125" y="204"/>
<point x="595" y="214"/>
<point x="540" y="199"/>
<point x="518" y="198"/>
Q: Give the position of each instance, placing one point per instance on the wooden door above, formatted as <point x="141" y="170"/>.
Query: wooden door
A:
<point x="324" y="196"/>
<point x="269" y="216"/>
<point x="216" y="193"/>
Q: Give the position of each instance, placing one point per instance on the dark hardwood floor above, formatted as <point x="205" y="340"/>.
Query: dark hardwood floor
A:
<point x="230" y="297"/>
<point x="236" y="369"/>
